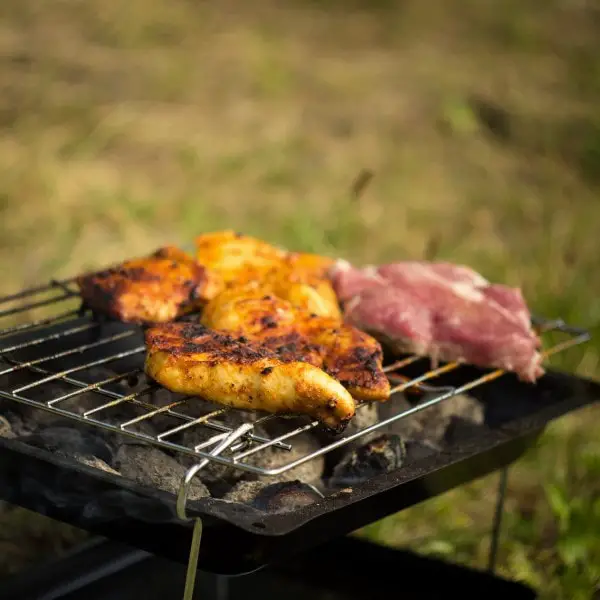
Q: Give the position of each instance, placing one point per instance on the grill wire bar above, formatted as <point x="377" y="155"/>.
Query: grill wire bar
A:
<point x="106" y="351"/>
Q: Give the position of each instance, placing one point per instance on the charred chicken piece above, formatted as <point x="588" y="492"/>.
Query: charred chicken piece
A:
<point x="234" y="260"/>
<point x="153" y="289"/>
<point x="190" y="359"/>
<point x="347" y="354"/>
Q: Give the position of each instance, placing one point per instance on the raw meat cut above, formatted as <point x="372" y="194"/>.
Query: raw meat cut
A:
<point x="448" y="312"/>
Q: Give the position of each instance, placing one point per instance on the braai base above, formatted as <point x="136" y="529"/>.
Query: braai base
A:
<point x="343" y="569"/>
<point x="75" y="368"/>
<point x="37" y="480"/>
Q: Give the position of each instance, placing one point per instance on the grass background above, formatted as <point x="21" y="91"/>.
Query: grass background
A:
<point x="128" y="124"/>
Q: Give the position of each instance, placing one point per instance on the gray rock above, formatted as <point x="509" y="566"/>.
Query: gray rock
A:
<point x="69" y="441"/>
<point x="77" y="404"/>
<point x="273" y="497"/>
<point x="286" y="496"/>
<point x="272" y="457"/>
<point x="460" y="429"/>
<point x="16" y="422"/>
<point x="431" y="423"/>
<point x="30" y="419"/>
<point x="244" y="492"/>
<point x="6" y="430"/>
<point x="151" y="467"/>
<point x="97" y="463"/>
<point x="365" y="416"/>
<point x="382" y="454"/>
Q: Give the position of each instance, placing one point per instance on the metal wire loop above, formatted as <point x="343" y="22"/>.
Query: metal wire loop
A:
<point x="184" y="487"/>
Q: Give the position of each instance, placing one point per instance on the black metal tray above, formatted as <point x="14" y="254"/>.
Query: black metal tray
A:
<point x="104" y="569"/>
<point x="238" y="538"/>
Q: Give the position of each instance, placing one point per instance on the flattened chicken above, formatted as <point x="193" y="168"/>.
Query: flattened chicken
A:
<point x="226" y="255"/>
<point x="344" y="352"/>
<point x="235" y="260"/>
<point x="154" y="289"/>
<point x="188" y="358"/>
<point x="301" y="280"/>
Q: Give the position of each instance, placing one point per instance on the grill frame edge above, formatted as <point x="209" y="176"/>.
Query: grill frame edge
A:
<point x="260" y="538"/>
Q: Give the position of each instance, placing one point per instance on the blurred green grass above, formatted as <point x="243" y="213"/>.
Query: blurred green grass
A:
<point x="126" y="125"/>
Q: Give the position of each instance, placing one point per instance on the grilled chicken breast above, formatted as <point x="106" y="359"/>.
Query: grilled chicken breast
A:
<point x="301" y="280"/>
<point x="234" y="260"/>
<point x="190" y="359"/>
<point x="227" y="255"/>
<point x="153" y="289"/>
<point x="344" y="352"/>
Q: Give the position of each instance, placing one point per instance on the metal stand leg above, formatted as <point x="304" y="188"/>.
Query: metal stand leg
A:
<point x="498" y="512"/>
<point x="222" y="588"/>
<point x="192" y="568"/>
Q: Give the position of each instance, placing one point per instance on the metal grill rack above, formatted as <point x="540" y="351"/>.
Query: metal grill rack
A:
<point x="24" y="335"/>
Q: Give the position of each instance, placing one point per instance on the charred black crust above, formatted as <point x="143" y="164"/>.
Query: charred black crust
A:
<point x="372" y="365"/>
<point x="338" y="429"/>
<point x="268" y="321"/>
<point x="361" y="368"/>
<point x="98" y="294"/>
<point x="293" y="346"/>
<point x="289" y="348"/>
<point x="184" y="281"/>
<point x="188" y="331"/>
<point x="181" y="339"/>
<point x="161" y="252"/>
<point x="358" y="366"/>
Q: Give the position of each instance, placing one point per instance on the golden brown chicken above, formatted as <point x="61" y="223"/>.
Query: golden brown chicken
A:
<point x="226" y="255"/>
<point x="153" y="289"/>
<point x="344" y="352"/>
<point x="300" y="279"/>
<point x="234" y="260"/>
<point x="190" y="359"/>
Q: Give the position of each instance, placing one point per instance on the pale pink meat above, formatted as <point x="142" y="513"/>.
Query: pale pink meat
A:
<point x="447" y="312"/>
<point x="349" y="281"/>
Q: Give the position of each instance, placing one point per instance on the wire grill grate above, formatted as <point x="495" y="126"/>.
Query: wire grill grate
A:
<point x="91" y="358"/>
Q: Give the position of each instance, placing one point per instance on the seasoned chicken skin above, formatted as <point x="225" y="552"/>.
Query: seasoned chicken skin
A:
<point x="234" y="260"/>
<point x="226" y="255"/>
<point x="301" y="280"/>
<point x="190" y="359"/>
<point x="344" y="352"/>
<point x="153" y="289"/>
